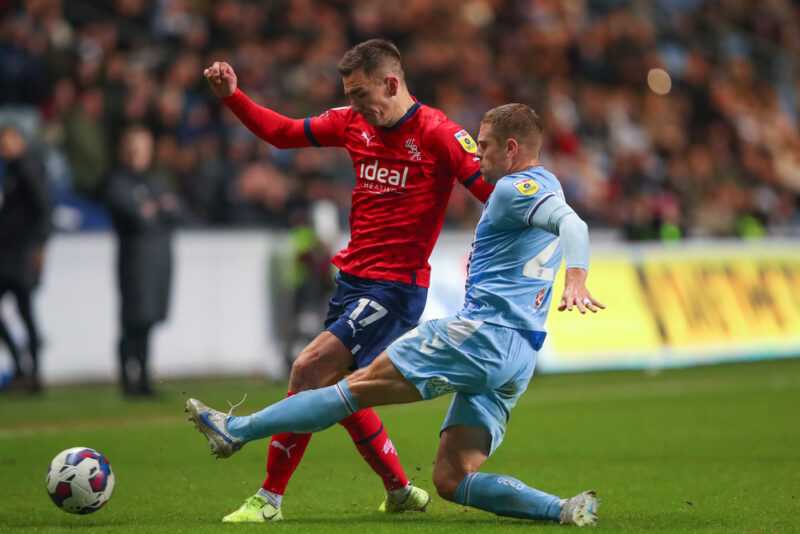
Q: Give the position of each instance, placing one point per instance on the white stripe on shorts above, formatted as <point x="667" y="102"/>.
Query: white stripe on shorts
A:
<point x="459" y="330"/>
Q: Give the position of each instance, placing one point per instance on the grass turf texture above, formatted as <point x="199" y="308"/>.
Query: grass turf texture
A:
<point x="712" y="449"/>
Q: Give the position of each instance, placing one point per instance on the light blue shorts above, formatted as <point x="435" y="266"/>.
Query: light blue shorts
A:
<point x="488" y="367"/>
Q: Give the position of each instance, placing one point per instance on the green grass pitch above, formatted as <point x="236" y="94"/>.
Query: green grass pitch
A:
<point x="710" y="449"/>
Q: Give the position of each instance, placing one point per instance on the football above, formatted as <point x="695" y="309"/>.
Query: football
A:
<point x="80" y="480"/>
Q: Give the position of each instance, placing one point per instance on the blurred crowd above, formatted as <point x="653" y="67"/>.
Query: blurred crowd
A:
<point x="707" y="146"/>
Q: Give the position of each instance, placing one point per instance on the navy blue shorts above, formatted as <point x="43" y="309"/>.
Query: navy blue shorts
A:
<point x="367" y="315"/>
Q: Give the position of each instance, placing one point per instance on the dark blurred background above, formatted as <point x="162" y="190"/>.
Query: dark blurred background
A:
<point x="708" y="146"/>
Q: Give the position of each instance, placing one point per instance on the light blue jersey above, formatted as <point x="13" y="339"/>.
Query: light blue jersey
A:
<point x="486" y="354"/>
<point x="513" y="264"/>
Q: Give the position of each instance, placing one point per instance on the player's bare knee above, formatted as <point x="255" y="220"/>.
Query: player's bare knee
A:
<point x="446" y="482"/>
<point x="305" y="372"/>
<point x="315" y="369"/>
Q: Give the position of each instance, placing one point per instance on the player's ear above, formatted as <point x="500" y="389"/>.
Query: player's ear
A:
<point x="512" y="147"/>
<point x="392" y="84"/>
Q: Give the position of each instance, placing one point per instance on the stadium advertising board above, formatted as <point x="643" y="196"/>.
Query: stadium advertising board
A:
<point x="741" y="301"/>
<point x="669" y="306"/>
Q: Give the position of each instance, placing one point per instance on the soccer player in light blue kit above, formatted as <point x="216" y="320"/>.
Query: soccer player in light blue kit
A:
<point x="485" y="354"/>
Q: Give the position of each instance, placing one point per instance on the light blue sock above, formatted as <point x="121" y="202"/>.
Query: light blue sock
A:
<point x="507" y="496"/>
<point x="308" y="411"/>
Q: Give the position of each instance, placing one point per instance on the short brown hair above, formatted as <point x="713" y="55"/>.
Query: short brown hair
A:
<point x="515" y="121"/>
<point x="370" y="56"/>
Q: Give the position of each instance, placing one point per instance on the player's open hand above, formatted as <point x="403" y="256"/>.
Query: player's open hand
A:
<point x="583" y="303"/>
<point x="221" y="78"/>
<point x="576" y="295"/>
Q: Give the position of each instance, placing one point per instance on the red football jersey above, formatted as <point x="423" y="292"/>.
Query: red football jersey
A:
<point x="404" y="177"/>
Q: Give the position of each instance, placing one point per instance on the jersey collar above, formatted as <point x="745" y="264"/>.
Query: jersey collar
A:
<point x="410" y="113"/>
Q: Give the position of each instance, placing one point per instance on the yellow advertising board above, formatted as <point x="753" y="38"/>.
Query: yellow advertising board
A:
<point x="682" y="305"/>
<point x="668" y="305"/>
<point x="696" y="302"/>
<point x="624" y="330"/>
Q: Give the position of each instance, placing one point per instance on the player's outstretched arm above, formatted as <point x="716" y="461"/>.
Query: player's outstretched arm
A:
<point x="274" y="128"/>
<point x="575" y="241"/>
<point x="555" y="216"/>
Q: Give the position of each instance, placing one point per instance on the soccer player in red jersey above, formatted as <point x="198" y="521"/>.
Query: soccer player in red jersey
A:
<point x="407" y="157"/>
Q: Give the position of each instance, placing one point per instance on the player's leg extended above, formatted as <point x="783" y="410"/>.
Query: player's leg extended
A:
<point x="309" y="411"/>
<point x="380" y="384"/>
<point x="359" y="325"/>
<point x="286" y="449"/>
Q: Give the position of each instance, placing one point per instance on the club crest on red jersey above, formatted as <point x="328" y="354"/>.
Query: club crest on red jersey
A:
<point x="413" y="150"/>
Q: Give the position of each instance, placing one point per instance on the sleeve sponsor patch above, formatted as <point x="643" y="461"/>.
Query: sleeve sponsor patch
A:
<point x="466" y="141"/>
<point x="526" y="186"/>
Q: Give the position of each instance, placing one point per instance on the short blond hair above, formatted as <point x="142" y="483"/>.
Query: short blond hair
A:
<point x="516" y="121"/>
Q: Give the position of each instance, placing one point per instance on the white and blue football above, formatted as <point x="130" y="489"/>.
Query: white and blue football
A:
<point x="80" y="480"/>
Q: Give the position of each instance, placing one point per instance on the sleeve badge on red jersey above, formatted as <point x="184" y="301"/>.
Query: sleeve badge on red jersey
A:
<point x="466" y="141"/>
<point x="526" y="186"/>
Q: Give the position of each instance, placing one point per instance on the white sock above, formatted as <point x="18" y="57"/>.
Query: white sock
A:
<point x="272" y="498"/>
<point x="398" y="496"/>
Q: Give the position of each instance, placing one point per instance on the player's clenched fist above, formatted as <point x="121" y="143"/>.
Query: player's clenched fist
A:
<point x="221" y="78"/>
